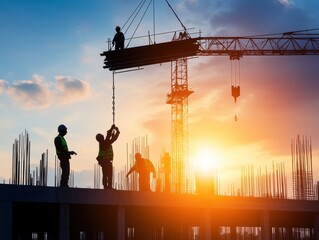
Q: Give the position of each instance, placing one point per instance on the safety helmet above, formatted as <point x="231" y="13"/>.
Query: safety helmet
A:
<point x="61" y="128"/>
<point x="138" y="155"/>
<point x="99" y="137"/>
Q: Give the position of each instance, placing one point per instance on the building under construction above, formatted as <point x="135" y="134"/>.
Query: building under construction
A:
<point x="259" y="209"/>
<point x="254" y="182"/>
<point x="36" y="212"/>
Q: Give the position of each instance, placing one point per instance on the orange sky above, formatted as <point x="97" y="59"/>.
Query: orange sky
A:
<point x="278" y="94"/>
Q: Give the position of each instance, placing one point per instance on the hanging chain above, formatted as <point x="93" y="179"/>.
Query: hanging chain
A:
<point x="113" y="99"/>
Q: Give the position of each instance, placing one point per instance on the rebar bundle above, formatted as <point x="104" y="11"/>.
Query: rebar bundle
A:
<point x="269" y="184"/>
<point x="21" y="160"/>
<point x="40" y="174"/>
<point x="21" y="172"/>
<point x="302" y="175"/>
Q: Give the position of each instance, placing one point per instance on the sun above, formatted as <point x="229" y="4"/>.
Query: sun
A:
<point x="207" y="161"/>
<point x="206" y="166"/>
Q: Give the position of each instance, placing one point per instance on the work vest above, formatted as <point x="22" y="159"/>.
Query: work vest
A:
<point x="64" y="146"/>
<point x="106" y="155"/>
<point x="149" y="165"/>
<point x="146" y="166"/>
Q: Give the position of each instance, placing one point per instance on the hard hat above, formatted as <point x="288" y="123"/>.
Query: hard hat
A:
<point x="138" y="155"/>
<point x="61" y="128"/>
<point x="99" y="137"/>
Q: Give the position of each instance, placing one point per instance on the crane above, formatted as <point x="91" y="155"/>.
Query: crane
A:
<point x="283" y="44"/>
<point x="183" y="47"/>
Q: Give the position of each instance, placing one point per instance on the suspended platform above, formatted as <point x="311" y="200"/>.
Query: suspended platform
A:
<point x="149" y="54"/>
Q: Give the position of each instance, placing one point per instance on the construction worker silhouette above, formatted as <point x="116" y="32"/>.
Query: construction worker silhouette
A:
<point x="118" y="39"/>
<point x="143" y="167"/>
<point x="106" y="155"/>
<point x="64" y="155"/>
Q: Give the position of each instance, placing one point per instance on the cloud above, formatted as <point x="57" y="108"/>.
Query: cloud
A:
<point x="30" y="94"/>
<point x="71" y="89"/>
<point x="286" y="2"/>
<point x="3" y="85"/>
<point x="249" y="17"/>
<point x="38" y="94"/>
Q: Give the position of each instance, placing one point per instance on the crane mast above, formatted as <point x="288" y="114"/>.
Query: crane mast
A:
<point x="178" y="99"/>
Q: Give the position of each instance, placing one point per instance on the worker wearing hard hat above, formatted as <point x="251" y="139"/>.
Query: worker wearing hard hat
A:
<point x="105" y="155"/>
<point x="118" y="39"/>
<point x="63" y="154"/>
<point x="143" y="167"/>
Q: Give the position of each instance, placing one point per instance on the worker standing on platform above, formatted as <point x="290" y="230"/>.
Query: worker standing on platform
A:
<point x="106" y="155"/>
<point x="118" y="39"/>
<point x="64" y="155"/>
<point x="143" y="167"/>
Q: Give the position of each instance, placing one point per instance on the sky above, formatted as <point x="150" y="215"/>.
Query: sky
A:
<point x="51" y="72"/>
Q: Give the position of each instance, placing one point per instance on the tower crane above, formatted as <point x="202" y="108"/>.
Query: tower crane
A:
<point x="182" y="47"/>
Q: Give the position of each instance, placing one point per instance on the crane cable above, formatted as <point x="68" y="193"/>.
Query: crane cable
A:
<point x="113" y="98"/>
<point x="235" y="85"/>
<point x="133" y="16"/>
<point x="136" y="11"/>
<point x="139" y="6"/>
<point x="139" y="23"/>
<point x="175" y="15"/>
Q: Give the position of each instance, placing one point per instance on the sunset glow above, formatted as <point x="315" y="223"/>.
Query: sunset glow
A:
<point x="52" y="72"/>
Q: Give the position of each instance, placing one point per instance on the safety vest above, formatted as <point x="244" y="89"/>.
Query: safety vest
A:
<point x="146" y="165"/>
<point x="106" y="155"/>
<point x="64" y="146"/>
<point x="149" y="165"/>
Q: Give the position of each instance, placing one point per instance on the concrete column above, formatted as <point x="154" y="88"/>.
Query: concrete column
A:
<point x="143" y="230"/>
<point x="206" y="232"/>
<point x="214" y="229"/>
<point x="6" y="220"/>
<point x="265" y="226"/>
<point x="171" y="231"/>
<point x="233" y="232"/>
<point x="121" y="223"/>
<point x="64" y="223"/>
<point x="316" y="227"/>
<point x="288" y="233"/>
